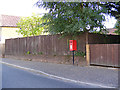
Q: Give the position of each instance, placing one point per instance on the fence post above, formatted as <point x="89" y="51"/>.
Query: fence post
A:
<point x="2" y="50"/>
<point x="88" y="54"/>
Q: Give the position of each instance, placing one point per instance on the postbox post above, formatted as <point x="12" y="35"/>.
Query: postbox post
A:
<point x="73" y="47"/>
<point x="73" y="57"/>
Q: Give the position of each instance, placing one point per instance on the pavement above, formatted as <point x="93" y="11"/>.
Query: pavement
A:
<point x="104" y="77"/>
<point x="18" y="78"/>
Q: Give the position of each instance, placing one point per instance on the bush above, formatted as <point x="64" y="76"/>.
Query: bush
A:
<point x="80" y="53"/>
<point x="28" y="52"/>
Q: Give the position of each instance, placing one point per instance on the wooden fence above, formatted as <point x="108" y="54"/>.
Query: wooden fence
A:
<point x="54" y="45"/>
<point x="43" y="44"/>
<point x="104" y="54"/>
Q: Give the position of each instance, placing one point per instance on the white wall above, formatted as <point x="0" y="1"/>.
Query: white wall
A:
<point x="9" y="32"/>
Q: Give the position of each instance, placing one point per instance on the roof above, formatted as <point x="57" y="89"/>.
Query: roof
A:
<point x="9" y="21"/>
<point x="111" y="31"/>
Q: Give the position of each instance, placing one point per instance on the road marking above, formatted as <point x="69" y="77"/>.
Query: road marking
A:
<point x="38" y="71"/>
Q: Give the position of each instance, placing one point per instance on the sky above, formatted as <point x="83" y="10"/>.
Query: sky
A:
<point x="19" y="7"/>
<point x="26" y="8"/>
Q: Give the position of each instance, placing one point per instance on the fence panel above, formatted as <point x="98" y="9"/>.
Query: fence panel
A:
<point x="105" y="54"/>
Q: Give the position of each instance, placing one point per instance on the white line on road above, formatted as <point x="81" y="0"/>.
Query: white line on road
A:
<point x="75" y="81"/>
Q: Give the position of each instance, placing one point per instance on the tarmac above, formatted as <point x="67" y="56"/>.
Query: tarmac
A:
<point x="104" y="77"/>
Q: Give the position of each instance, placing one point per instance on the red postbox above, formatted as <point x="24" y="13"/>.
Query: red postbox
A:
<point x="72" y="45"/>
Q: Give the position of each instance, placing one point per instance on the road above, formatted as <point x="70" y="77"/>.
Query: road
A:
<point x="13" y="77"/>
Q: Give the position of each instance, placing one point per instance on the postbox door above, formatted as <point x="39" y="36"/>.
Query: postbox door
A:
<point x="72" y="45"/>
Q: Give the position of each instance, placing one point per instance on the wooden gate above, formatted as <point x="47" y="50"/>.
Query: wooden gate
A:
<point x="103" y="54"/>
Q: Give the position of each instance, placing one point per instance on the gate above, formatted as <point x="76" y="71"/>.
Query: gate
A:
<point x="103" y="54"/>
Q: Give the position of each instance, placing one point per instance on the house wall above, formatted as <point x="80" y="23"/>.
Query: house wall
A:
<point x="0" y="33"/>
<point x="9" y="32"/>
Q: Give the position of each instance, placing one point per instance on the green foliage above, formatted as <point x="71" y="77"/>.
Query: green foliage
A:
<point x="40" y="53"/>
<point x="113" y="9"/>
<point x="30" y="26"/>
<point x="117" y="32"/>
<point x="71" y="18"/>
<point x="80" y="53"/>
<point x="54" y="55"/>
<point x="28" y="52"/>
<point x="117" y="26"/>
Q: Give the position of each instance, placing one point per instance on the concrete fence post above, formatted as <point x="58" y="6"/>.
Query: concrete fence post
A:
<point x="2" y="50"/>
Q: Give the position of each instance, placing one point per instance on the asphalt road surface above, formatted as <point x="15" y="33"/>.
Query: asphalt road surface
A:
<point x="18" y="78"/>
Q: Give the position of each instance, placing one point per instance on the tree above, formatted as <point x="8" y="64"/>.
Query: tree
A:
<point x="30" y="26"/>
<point x="72" y="18"/>
<point x="113" y="8"/>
